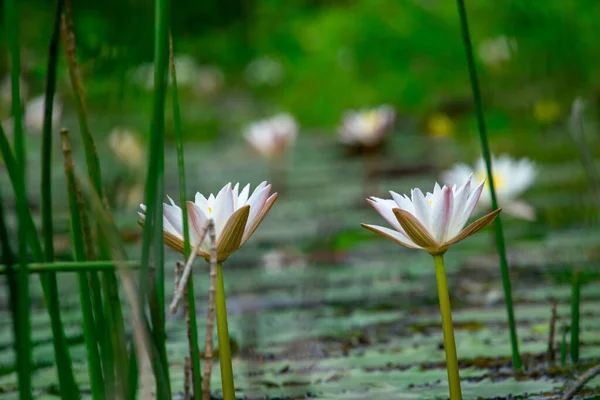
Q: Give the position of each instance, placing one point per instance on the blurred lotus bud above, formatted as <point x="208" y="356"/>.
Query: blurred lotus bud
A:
<point x="126" y="146"/>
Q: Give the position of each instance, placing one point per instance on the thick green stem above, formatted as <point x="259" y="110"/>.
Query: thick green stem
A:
<point x="485" y="149"/>
<point x="575" y="294"/>
<point x="224" y="344"/>
<point x="449" y="344"/>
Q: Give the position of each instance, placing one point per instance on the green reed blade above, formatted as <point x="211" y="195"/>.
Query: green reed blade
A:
<point x="563" y="346"/>
<point x="153" y="228"/>
<point x="11" y="21"/>
<point x="575" y="295"/>
<point x="113" y="313"/>
<point x="11" y="279"/>
<point x="193" y="334"/>
<point x="68" y="387"/>
<point x="46" y="190"/>
<point x="74" y="266"/>
<point x="516" y="358"/>
<point x="77" y="213"/>
<point x="140" y="327"/>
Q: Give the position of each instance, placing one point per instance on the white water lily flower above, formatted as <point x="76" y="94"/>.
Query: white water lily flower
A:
<point x="236" y="215"/>
<point x="366" y="127"/>
<point x="273" y="136"/>
<point x="431" y="222"/>
<point x="511" y="178"/>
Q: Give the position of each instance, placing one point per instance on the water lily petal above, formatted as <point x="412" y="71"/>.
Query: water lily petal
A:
<point x="414" y="229"/>
<point x="197" y="222"/>
<point x="475" y="227"/>
<point x="252" y="225"/>
<point x="392" y="235"/>
<point x="421" y="207"/>
<point x="385" y="207"/>
<point x="231" y="237"/>
<point x="223" y="208"/>
<point x="441" y="214"/>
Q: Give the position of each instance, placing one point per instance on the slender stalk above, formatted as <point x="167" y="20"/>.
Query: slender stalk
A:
<point x="191" y="303"/>
<point x="115" y="330"/>
<point x="153" y="228"/>
<point x="551" y="334"/>
<point x="224" y="343"/>
<point x="11" y="21"/>
<point x="575" y="295"/>
<point x="563" y="346"/>
<point x="210" y="315"/>
<point x="77" y="211"/>
<point x="449" y="344"/>
<point x="46" y="189"/>
<point x="516" y="358"/>
<point x="11" y="279"/>
<point x="68" y="387"/>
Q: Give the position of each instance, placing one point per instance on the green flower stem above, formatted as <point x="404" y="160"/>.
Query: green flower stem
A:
<point x="224" y="344"/>
<point x="449" y="344"/>
<point x="563" y="346"/>
<point x="485" y="149"/>
<point x="575" y="294"/>
<point x="74" y="266"/>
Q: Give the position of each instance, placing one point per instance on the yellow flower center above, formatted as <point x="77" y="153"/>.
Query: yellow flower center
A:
<point x="371" y="119"/>
<point x="547" y="111"/>
<point x="499" y="180"/>
<point x="210" y="209"/>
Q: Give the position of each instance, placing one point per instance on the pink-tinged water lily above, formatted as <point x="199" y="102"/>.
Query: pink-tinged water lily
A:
<point x="273" y="136"/>
<point x="236" y="215"/>
<point x="366" y="127"/>
<point x="433" y="221"/>
<point x="511" y="178"/>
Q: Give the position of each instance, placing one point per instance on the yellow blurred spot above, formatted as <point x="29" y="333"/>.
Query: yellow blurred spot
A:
<point x="499" y="180"/>
<point x="546" y="111"/>
<point x="372" y="119"/>
<point x="440" y="125"/>
<point x="209" y="209"/>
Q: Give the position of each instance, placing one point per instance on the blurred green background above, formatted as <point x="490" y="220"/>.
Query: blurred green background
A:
<point x="315" y="59"/>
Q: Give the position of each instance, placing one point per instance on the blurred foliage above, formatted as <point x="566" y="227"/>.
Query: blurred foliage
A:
<point x="317" y="58"/>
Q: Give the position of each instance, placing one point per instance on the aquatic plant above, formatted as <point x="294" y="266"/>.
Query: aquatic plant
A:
<point x="511" y="179"/>
<point x="236" y="215"/>
<point x="433" y="222"/>
<point x="366" y="127"/>
<point x="485" y="150"/>
<point x="272" y="137"/>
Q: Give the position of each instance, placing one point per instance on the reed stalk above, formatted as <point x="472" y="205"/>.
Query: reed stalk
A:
<point x="500" y="246"/>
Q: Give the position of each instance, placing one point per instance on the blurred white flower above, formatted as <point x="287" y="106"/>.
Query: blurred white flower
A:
<point x="127" y="147"/>
<point x="273" y="136"/>
<point x="367" y="127"/>
<point x="433" y="221"/>
<point x="511" y="179"/>
<point x="236" y="215"/>
<point x="496" y="50"/>
<point x="33" y="119"/>
<point x="264" y="70"/>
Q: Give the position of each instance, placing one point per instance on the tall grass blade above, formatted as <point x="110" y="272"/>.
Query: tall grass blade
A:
<point x="113" y="314"/>
<point x="193" y="326"/>
<point x="8" y="258"/>
<point x="516" y="358"/>
<point x="153" y="229"/>
<point x="77" y="212"/>
<point x="11" y="22"/>
<point x="145" y="350"/>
